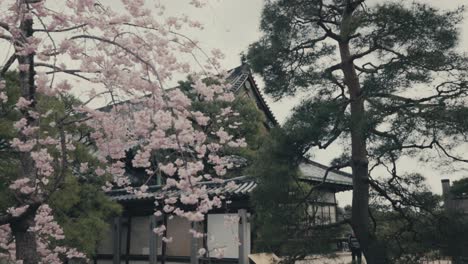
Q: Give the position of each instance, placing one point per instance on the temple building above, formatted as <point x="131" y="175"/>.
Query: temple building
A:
<point x="453" y="202"/>
<point x="130" y="239"/>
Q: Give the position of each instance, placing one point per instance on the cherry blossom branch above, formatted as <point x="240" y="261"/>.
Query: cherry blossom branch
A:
<point x="58" y="69"/>
<point x="183" y="36"/>
<point x="138" y="57"/>
<point x="60" y="30"/>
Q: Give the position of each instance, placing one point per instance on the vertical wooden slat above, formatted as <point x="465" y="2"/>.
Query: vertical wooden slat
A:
<point x="116" y="238"/>
<point x="129" y="235"/>
<point x="244" y="237"/>
<point x="153" y="241"/>
<point x="164" y="244"/>
<point x="194" y="245"/>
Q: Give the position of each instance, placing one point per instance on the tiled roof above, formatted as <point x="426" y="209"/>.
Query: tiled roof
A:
<point x="314" y="171"/>
<point x="241" y="74"/>
<point x="310" y="170"/>
<point x="244" y="186"/>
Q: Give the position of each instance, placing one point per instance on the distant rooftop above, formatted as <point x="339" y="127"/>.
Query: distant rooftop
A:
<point x="315" y="172"/>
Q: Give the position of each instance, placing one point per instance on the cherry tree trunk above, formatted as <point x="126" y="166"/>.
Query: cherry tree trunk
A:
<point x="26" y="248"/>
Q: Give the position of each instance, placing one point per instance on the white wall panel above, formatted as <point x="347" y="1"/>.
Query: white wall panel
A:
<point x="223" y="235"/>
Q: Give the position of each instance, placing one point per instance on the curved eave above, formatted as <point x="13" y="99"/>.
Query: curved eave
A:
<point x="336" y="186"/>
<point x="244" y="187"/>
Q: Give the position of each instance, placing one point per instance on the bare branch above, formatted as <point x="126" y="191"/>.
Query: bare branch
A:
<point x="448" y="154"/>
<point x="364" y="70"/>
<point x="60" y="30"/>
<point x="322" y="25"/>
<point x="7" y="65"/>
<point x="58" y="69"/>
<point x="5" y="37"/>
<point x="4" y="25"/>
<point x="365" y="53"/>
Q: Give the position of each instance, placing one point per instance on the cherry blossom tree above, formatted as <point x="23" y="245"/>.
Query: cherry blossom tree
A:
<point x="126" y="59"/>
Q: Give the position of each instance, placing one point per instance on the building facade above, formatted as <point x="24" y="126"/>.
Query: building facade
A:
<point x="452" y="202"/>
<point x="130" y="239"/>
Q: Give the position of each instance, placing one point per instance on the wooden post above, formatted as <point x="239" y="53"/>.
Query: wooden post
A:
<point x="116" y="238"/>
<point x="128" y="238"/>
<point x="153" y="240"/>
<point x="244" y="236"/>
<point x="164" y="244"/>
<point x="194" y="249"/>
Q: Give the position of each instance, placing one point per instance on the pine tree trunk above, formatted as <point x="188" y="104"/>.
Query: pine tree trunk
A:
<point x="360" y="219"/>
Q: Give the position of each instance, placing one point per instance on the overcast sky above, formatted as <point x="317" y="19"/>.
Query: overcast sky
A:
<point x="232" y="25"/>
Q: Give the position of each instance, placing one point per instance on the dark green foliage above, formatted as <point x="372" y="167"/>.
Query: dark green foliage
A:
<point x="282" y="221"/>
<point x="460" y="187"/>
<point x="423" y="233"/>
<point x="78" y="203"/>
<point x="250" y="118"/>
<point x="399" y="65"/>
<point x="83" y="211"/>
<point x="415" y="226"/>
<point x="288" y="53"/>
<point x="399" y="49"/>
<point x="8" y="159"/>
<point x="317" y="122"/>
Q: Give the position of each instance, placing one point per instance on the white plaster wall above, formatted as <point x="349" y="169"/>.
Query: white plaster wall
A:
<point x="139" y="240"/>
<point x="221" y="235"/>
<point x="178" y="229"/>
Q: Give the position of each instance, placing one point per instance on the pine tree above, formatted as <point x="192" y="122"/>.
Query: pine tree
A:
<point x="387" y="78"/>
<point x="79" y="205"/>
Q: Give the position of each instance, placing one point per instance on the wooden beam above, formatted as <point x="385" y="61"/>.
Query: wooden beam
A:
<point x="116" y="238"/>
<point x="153" y="240"/>
<point x="244" y="236"/>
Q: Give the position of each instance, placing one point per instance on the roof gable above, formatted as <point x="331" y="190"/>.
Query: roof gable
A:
<point x="241" y="78"/>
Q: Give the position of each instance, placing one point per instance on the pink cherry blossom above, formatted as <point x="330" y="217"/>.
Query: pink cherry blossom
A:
<point x="168" y="169"/>
<point x="125" y="59"/>
<point x="201" y="252"/>
<point x="23" y="103"/>
<point x="3" y="97"/>
<point x="84" y="167"/>
<point x="160" y="230"/>
<point x="17" y="211"/>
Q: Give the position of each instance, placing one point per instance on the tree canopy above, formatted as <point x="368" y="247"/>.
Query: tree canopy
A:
<point x="286" y="219"/>
<point x="79" y="205"/>
<point x="388" y="78"/>
<point x="116" y="57"/>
